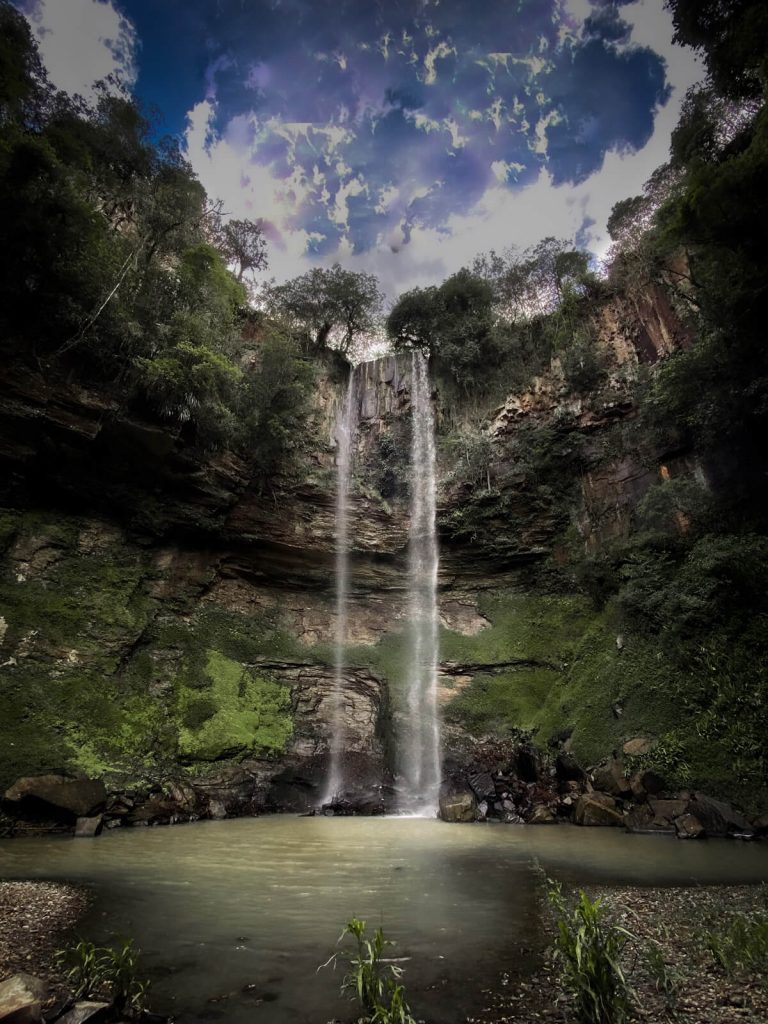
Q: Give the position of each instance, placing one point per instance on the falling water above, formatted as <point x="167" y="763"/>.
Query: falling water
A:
<point x="345" y="432"/>
<point x="420" y="761"/>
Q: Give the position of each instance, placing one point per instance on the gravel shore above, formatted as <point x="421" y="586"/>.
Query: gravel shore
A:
<point x="673" y="921"/>
<point x="33" y="918"/>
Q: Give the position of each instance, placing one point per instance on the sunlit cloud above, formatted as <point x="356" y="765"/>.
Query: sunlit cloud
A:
<point x="83" y="42"/>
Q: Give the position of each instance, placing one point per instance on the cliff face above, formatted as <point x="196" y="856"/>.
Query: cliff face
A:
<point x="166" y="624"/>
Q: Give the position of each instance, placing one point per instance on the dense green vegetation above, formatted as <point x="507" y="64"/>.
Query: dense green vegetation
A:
<point x="120" y="272"/>
<point x="490" y="329"/>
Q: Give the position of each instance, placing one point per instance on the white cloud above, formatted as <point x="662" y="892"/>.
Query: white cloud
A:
<point x="501" y="218"/>
<point x="82" y="42"/>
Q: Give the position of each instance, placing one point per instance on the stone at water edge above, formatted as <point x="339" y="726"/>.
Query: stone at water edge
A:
<point x="457" y="803"/>
<point x="760" y="825"/>
<point x="688" y="826"/>
<point x="597" y="809"/>
<point x="92" y="1012"/>
<point x="77" y="797"/>
<point x="542" y="815"/>
<point x="642" y="819"/>
<point x="89" y="828"/>
<point x="21" y="999"/>
<point x="718" y="817"/>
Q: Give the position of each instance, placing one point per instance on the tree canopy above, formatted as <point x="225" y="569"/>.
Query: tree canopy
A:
<point x="119" y="269"/>
<point x="327" y="308"/>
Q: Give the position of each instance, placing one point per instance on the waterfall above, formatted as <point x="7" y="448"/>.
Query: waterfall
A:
<point x="345" y="431"/>
<point x="420" y="758"/>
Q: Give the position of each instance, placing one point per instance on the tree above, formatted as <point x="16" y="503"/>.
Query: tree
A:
<point x="328" y="308"/>
<point x="243" y="243"/>
<point x="533" y="282"/>
<point x="454" y="322"/>
<point x="23" y="84"/>
<point x="415" y="319"/>
<point x="731" y="35"/>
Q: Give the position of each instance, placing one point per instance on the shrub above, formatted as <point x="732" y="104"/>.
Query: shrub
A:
<point x="589" y="950"/>
<point x="372" y="982"/>
<point x="102" y="971"/>
<point x="741" y="942"/>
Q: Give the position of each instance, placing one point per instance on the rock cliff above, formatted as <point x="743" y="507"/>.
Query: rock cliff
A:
<point x="168" y="627"/>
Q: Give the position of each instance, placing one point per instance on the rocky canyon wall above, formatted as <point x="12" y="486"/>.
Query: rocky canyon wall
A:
<point x="168" y="627"/>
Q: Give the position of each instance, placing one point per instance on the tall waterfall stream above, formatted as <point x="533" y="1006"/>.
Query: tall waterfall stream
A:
<point x="345" y="434"/>
<point x="420" y="745"/>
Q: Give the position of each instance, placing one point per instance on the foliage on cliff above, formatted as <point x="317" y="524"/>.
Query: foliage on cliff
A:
<point x="492" y="328"/>
<point x="119" y="270"/>
<point x="681" y="581"/>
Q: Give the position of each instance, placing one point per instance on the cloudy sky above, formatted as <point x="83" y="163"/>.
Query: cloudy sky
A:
<point x="397" y="136"/>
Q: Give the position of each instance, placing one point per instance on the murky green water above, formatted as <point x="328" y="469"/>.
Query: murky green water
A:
<point x="235" y="916"/>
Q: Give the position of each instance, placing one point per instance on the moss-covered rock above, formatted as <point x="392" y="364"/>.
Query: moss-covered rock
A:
<point x="240" y="713"/>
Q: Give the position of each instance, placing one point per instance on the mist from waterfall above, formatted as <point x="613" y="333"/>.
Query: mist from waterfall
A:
<point x="420" y="751"/>
<point x="345" y="432"/>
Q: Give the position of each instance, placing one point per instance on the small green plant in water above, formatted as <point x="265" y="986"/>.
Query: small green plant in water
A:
<point x="86" y="966"/>
<point x="589" y="948"/>
<point x="106" y="972"/>
<point x="374" y="982"/>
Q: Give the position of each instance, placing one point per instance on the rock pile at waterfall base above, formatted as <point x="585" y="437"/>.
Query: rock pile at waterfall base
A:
<point x="515" y="783"/>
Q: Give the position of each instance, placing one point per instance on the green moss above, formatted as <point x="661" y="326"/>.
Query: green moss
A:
<point x="523" y="699"/>
<point x="538" y="628"/>
<point x="251" y="713"/>
<point x="580" y="680"/>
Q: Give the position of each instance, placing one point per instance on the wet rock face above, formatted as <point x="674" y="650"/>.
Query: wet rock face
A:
<point x="177" y="621"/>
<point x="56" y="796"/>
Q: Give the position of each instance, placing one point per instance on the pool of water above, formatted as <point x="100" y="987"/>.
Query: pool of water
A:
<point x="234" y="917"/>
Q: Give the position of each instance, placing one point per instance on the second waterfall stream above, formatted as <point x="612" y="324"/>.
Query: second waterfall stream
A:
<point x="419" y="746"/>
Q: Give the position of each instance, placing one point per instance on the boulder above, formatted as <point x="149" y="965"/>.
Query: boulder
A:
<point x="637" y="787"/>
<point x="717" y="817"/>
<point x="57" y="794"/>
<point x="688" y="826"/>
<point x="90" y="1011"/>
<point x="642" y="819"/>
<point x="667" y="810"/>
<point x="597" y="809"/>
<point x="89" y="828"/>
<point x="21" y="999"/>
<point x="568" y="769"/>
<point x="651" y="781"/>
<point x="482" y="785"/>
<point x="638" y="746"/>
<point x="216" y="809"/>
<point x="457" y="802"/>
<point x="760" y="825"/>
<point x="610" y="778"/>
<point x="542" y="815"/>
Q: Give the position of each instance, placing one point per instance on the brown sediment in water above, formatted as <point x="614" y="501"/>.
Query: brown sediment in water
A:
<point x="34" y="917"/>
<point x="674" y="920"/>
